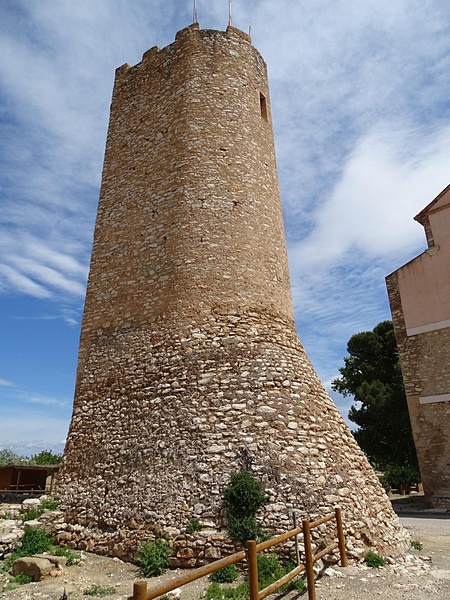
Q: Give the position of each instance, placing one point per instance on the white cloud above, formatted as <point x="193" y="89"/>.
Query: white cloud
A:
<point x="6" y="383"/>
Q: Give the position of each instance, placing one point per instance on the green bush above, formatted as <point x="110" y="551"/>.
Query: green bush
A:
<point x="33" y="542"/>
<point x="153" y="557"/>
<point x="243" y="497"/>
<point x="397" y="477"/>
<point x="193" y="525"/>
<point x="372" y="559"/>
<point x="269" y="569"/>
<point x="227" y="574"/>
<point x="416" y="544"/>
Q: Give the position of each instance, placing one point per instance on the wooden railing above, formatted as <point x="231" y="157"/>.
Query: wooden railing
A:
<point x="140" y="587"/>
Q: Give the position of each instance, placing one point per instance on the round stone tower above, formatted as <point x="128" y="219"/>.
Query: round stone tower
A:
<point x="190" y="367"/>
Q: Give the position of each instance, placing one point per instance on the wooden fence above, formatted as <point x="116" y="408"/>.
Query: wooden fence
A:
<point x="140" y="587"/>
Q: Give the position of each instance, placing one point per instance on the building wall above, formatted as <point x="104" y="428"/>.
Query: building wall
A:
<point x="190" y="367"/>
<point x="419" y="295"/>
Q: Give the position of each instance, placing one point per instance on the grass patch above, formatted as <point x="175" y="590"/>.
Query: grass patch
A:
<point x="416" y="545"/>
<point x="73" y="558"/>
<point x="193" y="526"/>
<point x="100" y="590"/>
<point x="21" y="579"/>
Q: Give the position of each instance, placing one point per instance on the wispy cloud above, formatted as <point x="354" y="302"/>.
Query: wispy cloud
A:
<point x="6" y="383"/>
<point x="359" y="99"/>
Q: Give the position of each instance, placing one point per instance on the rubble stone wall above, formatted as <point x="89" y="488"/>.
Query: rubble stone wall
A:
<point x="426" y="372"/>
<point x="190" y="367"/>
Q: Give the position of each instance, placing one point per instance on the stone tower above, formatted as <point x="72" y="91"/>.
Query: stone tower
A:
<point x="189" y="366"/>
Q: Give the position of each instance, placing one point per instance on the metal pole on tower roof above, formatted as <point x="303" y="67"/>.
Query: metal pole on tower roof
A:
<point x="195" y="19"/>
<point x="229" y="13"/>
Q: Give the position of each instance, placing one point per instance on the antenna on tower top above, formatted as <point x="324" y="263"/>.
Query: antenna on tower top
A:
<point x="194" y="17"/>
<point x="229" y="13"/>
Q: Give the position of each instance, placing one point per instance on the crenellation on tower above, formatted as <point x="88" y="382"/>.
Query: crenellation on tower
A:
<point x="190" y="367"/>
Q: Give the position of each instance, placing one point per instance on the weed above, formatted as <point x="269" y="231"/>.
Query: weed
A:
<point x="193" y="525"/>
<point x="49" y="504"/>
<point x="22" y="578"/>
<point x="215" y="592"/>
<point x="73" y="558"/>
<point x="227" y="574"/>
<point x="416" y="545"/>
<point x="153" y="557"/>
<point x="31" y="514"/>
<point x="99" y="590"/>
<point x="372" y="559"/>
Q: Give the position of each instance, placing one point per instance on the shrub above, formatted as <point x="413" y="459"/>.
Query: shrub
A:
<point x="33" y="542"/>
<point x="416" y="544"/>
<point x="398" y="477"/>
<point x="193" y="526"/>
<point x="269" y="569"/>
<point x="153" y="557"/>
<point x="372" y="559"/>
<point x="227" y="574"/>
<point x="243" y="497"/>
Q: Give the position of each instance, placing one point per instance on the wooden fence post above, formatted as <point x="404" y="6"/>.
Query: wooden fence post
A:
<point x="252" y="569"/>
<point x="297" y="550"/>
<point x="341" y="538"/>
<point x="309" y="563"/>
<point x="140" y="590"/>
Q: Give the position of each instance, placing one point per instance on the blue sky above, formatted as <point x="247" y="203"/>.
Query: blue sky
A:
<point x="360" y="104"/>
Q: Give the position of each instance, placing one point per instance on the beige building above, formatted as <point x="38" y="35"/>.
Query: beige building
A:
<point x="419" y="295"/>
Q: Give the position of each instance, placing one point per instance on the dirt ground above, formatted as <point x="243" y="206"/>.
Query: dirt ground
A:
<point x="426" y="576"/>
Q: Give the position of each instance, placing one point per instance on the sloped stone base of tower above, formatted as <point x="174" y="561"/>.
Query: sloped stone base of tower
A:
<point x="177" y="412"/>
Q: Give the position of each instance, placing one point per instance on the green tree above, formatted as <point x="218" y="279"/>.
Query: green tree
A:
<point x="46" y="457"/>
<point x="372" y="375"/>
<point x="8" y="457"/>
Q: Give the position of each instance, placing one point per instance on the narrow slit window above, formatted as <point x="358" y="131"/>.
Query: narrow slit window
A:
<point x="263" y="106"/>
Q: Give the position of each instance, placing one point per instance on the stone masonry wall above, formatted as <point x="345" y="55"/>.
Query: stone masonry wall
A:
<point x="425" y="362"/>
<point x="189" y="366"/>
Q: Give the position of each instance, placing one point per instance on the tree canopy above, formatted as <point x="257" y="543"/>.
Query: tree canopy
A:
<point x="372" y="375"/>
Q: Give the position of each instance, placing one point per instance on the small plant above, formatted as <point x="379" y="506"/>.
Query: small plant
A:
<point x="215" y="592"/>
<point x="31" y="514"/>
<point x="269" y="569"/>
<point x="372" y="559"/>
<point x="416" y="545"/>
<point x="243" y="497"/>
<point x="193" y="526"/>
<point x="49" y="504"/>
<point x="153" y="557"/>
<point x="22" y="578"/>
<point x="99" y="590"/>
<point x="227" y="574"/>
<point x="73" y="558"/>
